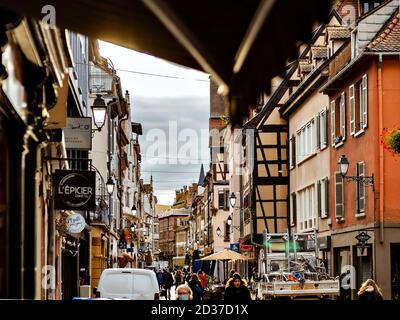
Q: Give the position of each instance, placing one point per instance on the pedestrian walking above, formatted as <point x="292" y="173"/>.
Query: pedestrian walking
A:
<point x="202" y="277"/>
<point x="159" y="274"/>
<point x="183" y="292"/>
<point x="188" y="277"/>
<point x="168" y="282"/>
<point x="196" y="287"/>
<point x="370" y="291"/>
<point x="178" y="278"/>
<point x="236" y="289"/>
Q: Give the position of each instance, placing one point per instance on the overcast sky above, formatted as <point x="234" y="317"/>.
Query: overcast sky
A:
<point x="174" y="115"/>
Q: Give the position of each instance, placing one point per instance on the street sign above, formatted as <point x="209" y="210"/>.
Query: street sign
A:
<point x="363" y="237"/>
<point x="235" y="247"/>
<point x="74" y="190"/>
<point x="75" y="223"/>
<point x="78" y="133"/>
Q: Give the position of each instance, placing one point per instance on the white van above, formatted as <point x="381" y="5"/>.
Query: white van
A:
<point x="128" y="283"/>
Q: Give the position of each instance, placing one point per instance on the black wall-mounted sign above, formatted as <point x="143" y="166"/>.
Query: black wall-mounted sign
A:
<point x="74" y="190"/>
<point x="363" y="237"/>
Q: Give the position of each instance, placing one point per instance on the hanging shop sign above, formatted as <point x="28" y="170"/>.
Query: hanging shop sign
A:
<point x="75" y="223"/>
<point x="78" y="133"/>
<point x="246" y="247"/>
<point x="74" y="190"/>
<point x="235" y="246"/>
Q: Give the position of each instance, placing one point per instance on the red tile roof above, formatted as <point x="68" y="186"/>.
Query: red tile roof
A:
<point x="389" y="37"/>
<point x="337" y="32"/>
<point x="305" y="66"/>
<point x="319" y="52"/>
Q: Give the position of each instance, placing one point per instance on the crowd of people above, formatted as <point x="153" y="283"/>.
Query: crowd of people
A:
<point x="191" y="285"/>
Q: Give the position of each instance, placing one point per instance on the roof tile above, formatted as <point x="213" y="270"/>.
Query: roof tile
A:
<point x="389" y="38"/>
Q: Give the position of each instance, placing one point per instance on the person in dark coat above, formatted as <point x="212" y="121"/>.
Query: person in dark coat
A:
<point x="168" y="282"/>
<point x="236" y="290"/>
<point x="370" y="291"/>
<point x="196" y="287"/>
<point x="160" y="279"/>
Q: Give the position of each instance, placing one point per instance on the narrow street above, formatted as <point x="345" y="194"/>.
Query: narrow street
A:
<point x="250" y="148"/>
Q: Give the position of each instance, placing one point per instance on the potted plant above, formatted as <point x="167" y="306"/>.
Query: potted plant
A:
<point x="390" y="139"/>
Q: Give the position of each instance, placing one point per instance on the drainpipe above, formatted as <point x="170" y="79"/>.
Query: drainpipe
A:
<point x="124" y="118"/>
<point x="381" y="163"/>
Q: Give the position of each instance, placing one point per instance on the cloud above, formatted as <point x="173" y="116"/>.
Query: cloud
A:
<point x="165" y="115"/>
<point x="168" y="106"/>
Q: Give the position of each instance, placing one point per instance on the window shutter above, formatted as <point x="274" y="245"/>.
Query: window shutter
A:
<point x="227" y="200"/>
<point x="221" y="200"/>
<point x="314" y="137"/>
<point x="333" y="125"/>
<point x="361" y="188"/>
<point x="294" y="150"/>
<point x="365" y="101"/>
<point x="339" y="209"/>
<point x="326" y="121"/>
<point x="318" y="123"/>
<point x="298" y="146"/>
<point x="352" y="101"/>
<point x="294" y="210"/>
<point x="319" y="202"/>
<point x="326" y="196"/>
<point x="343" y="115"/>
<point x="227" y="231"/>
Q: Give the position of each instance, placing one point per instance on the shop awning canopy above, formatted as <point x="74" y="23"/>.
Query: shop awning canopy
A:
<point x="225" y="254"/>
<point x="243" y="44"/>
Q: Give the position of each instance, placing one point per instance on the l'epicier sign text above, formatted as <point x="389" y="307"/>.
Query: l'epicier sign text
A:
<point x="75" y="190"/>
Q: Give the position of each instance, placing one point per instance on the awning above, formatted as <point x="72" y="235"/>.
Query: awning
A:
<point x="242" y="43"/>
<point x="225" y="254"/>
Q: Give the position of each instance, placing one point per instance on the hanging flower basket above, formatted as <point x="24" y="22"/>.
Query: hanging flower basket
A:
<point x="391" y="140"/>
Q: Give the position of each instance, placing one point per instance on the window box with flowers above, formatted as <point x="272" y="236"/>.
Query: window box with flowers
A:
<point x="390" y="139"/>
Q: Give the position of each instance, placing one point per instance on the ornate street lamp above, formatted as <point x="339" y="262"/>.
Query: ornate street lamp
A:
<point x="344" y="167"/>
<point x="229" y="222"/>
<point x="133" y="210"/>
<point x="99" y="111"/>
<point x="110" y="185"/>
<point x="232" y="199"/>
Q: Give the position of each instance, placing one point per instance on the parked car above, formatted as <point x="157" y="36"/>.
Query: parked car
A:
<point x="128" y="283"/>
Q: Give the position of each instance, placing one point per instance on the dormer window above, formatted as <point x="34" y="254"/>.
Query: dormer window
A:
<point x="368" y="5"/>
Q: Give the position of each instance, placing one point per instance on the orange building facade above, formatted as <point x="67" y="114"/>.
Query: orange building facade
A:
<point x="364" y="99"/>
